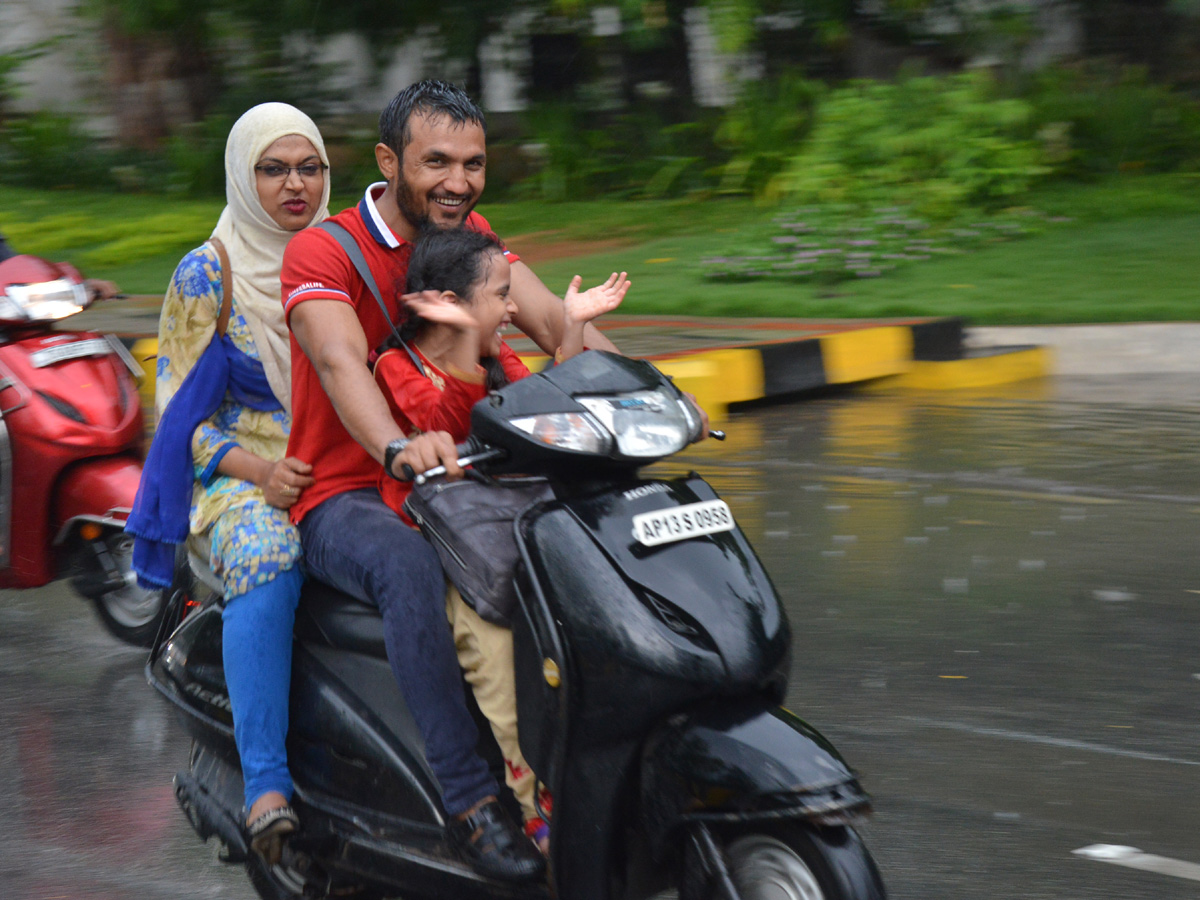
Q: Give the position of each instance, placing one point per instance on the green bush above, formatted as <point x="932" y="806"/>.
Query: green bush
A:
<point x="196" y="154"/>
<point x="939" y="145"/>
<point x="1102" y="119"/>
<point x="45" y="150"/>
<point x="577" y="153"/>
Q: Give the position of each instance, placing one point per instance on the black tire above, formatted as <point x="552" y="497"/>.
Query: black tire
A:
<point x="802" y="863"/>
<point x="274" y="882"/>
<point x="131" y="613"/>
<point x="284" y="883"/>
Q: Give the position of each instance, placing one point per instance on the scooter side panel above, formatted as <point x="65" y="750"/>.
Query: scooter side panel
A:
<point x="351" y="736"/>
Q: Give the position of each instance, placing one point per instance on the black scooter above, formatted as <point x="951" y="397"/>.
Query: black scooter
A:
<point x="652" y="654"/>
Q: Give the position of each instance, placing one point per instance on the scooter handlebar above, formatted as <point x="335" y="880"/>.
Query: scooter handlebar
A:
<point x="470" y="452"/>
<point x="473" y="451"/>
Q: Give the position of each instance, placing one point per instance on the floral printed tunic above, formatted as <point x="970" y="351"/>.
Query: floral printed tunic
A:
<point x="250" y="541"/>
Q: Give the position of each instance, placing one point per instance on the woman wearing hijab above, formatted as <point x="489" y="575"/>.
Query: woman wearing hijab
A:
<point x="217" y="468"/>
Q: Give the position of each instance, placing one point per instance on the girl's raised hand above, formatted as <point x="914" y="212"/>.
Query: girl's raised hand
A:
<point x="434" y="306"/>
<point x="594" y="302"/>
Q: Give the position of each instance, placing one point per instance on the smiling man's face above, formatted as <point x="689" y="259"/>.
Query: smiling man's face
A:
<point x="441" y="172"/>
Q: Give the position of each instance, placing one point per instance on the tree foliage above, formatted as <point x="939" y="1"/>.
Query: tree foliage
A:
<point x="938" y="144"/>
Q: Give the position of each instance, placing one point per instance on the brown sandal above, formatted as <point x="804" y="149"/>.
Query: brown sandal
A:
<point x="268" y="831"/>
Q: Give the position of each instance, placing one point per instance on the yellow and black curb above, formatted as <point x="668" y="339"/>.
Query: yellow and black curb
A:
<point x="727" y="362"/>
<point x="792" y="358"/>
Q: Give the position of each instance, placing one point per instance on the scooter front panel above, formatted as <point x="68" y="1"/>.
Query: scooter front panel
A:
<point x="706" y="594"/>
<point x="627" y="665"/>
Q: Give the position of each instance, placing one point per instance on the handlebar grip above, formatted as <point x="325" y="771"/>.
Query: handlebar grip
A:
<point x="471" y="451"/>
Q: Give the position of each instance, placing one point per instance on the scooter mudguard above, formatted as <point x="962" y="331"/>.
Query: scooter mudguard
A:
<point x="98" y="490"/>
<point x="730" y="764"/>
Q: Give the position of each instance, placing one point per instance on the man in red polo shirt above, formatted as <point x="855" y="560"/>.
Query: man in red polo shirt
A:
<point x="432" y="155"/>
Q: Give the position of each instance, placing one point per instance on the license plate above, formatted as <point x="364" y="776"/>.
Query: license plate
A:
<point x="679" y="523"/>
<point x="51" y="355"/>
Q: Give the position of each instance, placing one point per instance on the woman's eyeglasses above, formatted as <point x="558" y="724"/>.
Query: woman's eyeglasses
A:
<point x="276" y="171"/>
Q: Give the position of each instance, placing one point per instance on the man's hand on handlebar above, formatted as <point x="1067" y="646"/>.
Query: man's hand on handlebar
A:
<point x="424" y="452"/>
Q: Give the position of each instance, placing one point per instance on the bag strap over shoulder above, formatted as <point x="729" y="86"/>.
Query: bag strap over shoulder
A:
<point x="350" y="245"/>
<point x="226" y="285"/>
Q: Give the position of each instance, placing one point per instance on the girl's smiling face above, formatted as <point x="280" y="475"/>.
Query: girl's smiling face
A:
<point x="490" y="305"/>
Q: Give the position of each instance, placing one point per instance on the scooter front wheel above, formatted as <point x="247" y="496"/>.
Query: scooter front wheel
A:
<point x="799" y="863"/>
<point x="130" y="612"/>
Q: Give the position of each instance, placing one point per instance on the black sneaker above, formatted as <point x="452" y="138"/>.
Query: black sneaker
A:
<point x="495" y="846"/>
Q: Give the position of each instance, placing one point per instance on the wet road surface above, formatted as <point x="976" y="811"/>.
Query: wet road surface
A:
<point x="995" y="601"/>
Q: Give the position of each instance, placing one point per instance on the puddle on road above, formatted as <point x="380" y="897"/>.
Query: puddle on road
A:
<point x="1024" y="557"/>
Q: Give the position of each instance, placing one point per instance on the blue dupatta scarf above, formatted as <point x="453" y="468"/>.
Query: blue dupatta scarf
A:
<point x="161" y="510"/>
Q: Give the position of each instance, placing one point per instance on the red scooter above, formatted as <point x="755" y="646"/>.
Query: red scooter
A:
<point x="70" y="449"/>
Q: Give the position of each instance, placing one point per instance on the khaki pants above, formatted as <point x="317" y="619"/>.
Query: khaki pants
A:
<point x="485" y="652"/>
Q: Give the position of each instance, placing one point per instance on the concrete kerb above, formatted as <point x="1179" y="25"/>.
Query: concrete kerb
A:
<point x="1149" y="348"/>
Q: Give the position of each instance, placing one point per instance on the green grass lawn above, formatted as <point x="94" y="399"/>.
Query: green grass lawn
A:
<point x="1130" y="270"/>
<point x="1131" y="252"/>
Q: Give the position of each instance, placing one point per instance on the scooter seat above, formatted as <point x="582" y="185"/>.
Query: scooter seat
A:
<point x="328" y="616"/>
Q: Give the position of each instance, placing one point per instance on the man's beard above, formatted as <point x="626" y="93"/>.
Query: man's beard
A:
<point x="406" y="201"/>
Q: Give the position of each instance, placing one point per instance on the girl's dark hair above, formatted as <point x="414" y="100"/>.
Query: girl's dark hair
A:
<point x="453" y="260"/>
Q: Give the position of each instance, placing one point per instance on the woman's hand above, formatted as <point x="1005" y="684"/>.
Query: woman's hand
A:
<point x="283" y="481"/>
<point x="594" y="302"/>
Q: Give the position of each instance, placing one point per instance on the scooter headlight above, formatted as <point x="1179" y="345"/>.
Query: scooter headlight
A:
<point x="45" y="301"/>
<point x="648" y="424"/>
<point x="566" y="431"/>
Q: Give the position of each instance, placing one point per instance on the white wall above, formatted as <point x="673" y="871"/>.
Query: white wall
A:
<point x="60" y="79"/>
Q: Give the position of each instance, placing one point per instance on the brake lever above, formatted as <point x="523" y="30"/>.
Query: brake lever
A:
<point x="717" y="435"/>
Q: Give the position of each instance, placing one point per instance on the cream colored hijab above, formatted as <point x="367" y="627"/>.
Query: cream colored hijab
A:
<point x="253" y="239"/>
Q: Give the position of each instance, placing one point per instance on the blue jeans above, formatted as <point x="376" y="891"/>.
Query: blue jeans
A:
<point x="354" y="542"/>
<point x="257" y="646"/>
